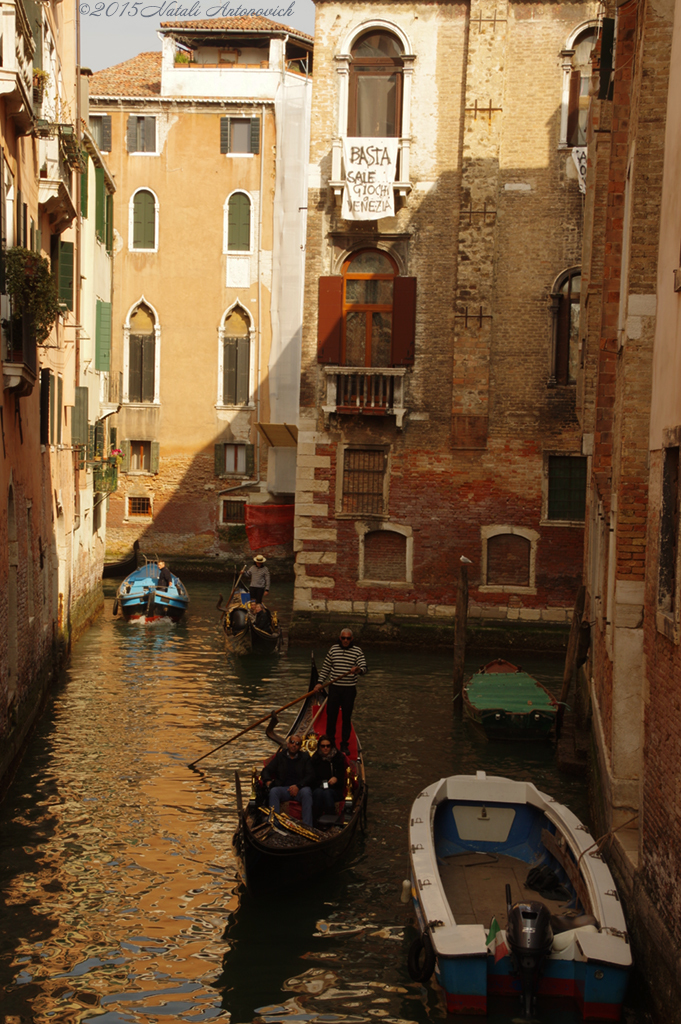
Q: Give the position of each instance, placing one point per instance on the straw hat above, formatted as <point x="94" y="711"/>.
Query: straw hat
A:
<point x="260" y="559"/>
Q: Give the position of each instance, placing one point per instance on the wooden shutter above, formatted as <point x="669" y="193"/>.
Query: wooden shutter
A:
<point x="573" y="108"/>
<point x="109" y="222"/>
<point x="239" y="223"/>
<point x="404" y="321"/>
<point x="83" y="188"/>
<point x="106" y="133"/>
<point x="99" y="439"/>
<point x="229" y="363"/>
<point x="113" y="433"/>
<point x="144" y="220"/>
<point x="100" y="203"/>
<point x="243" y="346"/>
<point x="66" y="274"/>
<point x="80" y="417"/>
<point x="329" y="320"/>
<point x="255" y="135"/>
<point x="59" y="410"/>
<point x="131" y="134"/>
<point x="148" y="354"/>
<point x="148" y="135"/>
<point x="45" y="407"/>
<point x="19" y="237"/>
<point x="224" y="134"/>
<point x="90" y="441"/>
<point x="250" y="459"/>
<point x="135" y="368"/>
<point x="103" y="336"/>
<point x="125" y="456"/>
<point x="154" y="458"/>
<point x="219" y="465"/>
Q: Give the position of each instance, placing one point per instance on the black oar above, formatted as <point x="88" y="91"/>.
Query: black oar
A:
<point x="265" y="719"/>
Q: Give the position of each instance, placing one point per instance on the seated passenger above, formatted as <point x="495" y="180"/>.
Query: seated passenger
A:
<point x="329" y="778"/>
<point x="289" y="776"/>
<point x="262" y="617"/>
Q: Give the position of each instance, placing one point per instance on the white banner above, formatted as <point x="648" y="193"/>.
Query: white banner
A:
<point x="370" y="168"/>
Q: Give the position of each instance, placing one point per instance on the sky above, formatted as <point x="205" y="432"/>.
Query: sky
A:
<point x="112" y="31"/>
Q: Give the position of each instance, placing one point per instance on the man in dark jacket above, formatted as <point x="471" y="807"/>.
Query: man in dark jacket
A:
<point x="329" y="778"/>
<point x="289" y="776"/>
<point x="165" y="577"/>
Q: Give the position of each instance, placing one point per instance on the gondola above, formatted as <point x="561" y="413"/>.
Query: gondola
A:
<point x="113" y="570"/>
<point x="505" y="703"/>
<point x="140" y="596"/>
<point x="513" y="898"/>
<point x="243" y="636"/>
<point x="275" y="852"/>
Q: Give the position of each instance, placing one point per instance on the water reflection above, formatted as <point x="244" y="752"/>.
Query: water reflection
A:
<point x="118" y="886"/>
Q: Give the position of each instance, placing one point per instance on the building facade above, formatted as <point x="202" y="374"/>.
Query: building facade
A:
<point x="440" y="351"/>
<point x="206" y="143"/>
<point x="53" y="521"/>
<point x="630" y="403"/>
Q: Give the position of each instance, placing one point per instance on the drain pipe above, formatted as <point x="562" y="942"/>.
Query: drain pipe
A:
<point x="258" y="400"/>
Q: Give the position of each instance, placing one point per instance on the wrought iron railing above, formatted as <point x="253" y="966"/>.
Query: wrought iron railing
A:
<point x="105" y="476"/>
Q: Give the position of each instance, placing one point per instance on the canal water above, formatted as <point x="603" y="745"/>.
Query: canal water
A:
<point x="119" y="895"/>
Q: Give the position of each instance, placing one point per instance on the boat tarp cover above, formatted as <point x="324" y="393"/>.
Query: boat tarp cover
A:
<point x="513" y="691"/>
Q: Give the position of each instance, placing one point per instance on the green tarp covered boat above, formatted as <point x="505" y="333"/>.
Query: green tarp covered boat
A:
<point x="508" y="704"/>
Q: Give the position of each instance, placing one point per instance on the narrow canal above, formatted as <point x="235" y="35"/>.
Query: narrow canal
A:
<point x="119" y="895"/>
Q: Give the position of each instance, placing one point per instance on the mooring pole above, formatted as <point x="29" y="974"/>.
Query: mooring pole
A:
<point x="571" y="653"/>
<point x="460" y="626"/>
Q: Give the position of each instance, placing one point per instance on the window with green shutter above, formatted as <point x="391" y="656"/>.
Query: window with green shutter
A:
<point x="108" y="218"/>
<point x="239" y="223"/>
<point x="239" y="134"/>
<point x="144" y="220"/>
<point x="141" y="134"/>
<point x="84" y="185"/>
<point x="65" y="278"/>
<point x="141" y="356"/>
<point x="234" y="459"/>
<point x="236" y="359"/>
<point x="100" y="204"/>
<point x="103" y="336"/>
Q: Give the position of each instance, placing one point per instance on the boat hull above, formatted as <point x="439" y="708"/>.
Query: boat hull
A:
<point x="265" y="869"/>
<point x="470" y="835"/>
<point x="505" y="703"/>
<point x="140" y="596"/>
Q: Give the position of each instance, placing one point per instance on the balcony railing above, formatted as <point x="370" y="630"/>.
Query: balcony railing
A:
<point x="105" y="476"/>
<point x="20" y="363"/>
<point x="366" y="391"/>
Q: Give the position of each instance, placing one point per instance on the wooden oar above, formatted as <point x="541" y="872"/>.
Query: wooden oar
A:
<point x="265" y="719"/>
<point x="233" y="589"/>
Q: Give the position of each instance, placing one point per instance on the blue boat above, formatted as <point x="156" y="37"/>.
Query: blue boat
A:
<point x="512" y="898"/>
<point x="140" y="595"/>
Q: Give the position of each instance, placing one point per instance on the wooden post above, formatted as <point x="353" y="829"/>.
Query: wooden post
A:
<point x="460" y="634"/>
<point x="571" y="653"/>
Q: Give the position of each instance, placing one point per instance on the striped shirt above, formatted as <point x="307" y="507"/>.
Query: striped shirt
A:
<point x="258" y="576"/>
<point x="340" y="660"/>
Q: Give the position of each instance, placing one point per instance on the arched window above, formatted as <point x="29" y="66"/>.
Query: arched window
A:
<point x="236" y="357"/>
<point x="577" y="80"/>
<point x="142" y="355"/>
<point x="239" y="223"/>
<point x="368" y="309"/>
<point x="375" y="99"/>
<point x="565" y="309"/>
<point x="144" y="220"/>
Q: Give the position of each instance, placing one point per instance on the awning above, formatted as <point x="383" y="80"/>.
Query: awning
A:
<point x="279" y="435"/>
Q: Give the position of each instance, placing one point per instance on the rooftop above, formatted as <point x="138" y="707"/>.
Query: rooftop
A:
<point x="252" y="25"/>
<point x="139" y="76"/>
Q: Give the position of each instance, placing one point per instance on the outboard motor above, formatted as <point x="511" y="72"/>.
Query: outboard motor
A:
<point x="530" y="938"/>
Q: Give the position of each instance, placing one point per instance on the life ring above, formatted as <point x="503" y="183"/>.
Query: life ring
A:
<point x="115" y="607"/>
<point x="421" y="958"/>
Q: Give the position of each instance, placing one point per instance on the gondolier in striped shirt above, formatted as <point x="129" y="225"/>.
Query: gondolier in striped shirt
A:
<point x="344" y="662"/>
<point x="258" y="579"/>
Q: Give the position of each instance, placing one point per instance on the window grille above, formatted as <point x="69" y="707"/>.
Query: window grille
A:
<point x="567" y="487"/>
<point x="233" y="511"/>
<point x="363" y="481"/>
<point x="139" y="506"/>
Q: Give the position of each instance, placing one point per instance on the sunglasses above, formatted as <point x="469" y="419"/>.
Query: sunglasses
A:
<point x="294" y="743"/>
<point x="324" y="744"/>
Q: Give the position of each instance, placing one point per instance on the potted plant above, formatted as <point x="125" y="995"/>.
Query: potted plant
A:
<point x="182" y="57"/>
<point x="32" y="289"/>
<point x="40" y="80"/>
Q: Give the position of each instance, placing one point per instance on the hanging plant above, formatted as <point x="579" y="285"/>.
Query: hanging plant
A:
<point x="32" y="289"/>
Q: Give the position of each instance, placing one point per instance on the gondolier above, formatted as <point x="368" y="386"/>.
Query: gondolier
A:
<point x="257" y="578"/>
<point x="344" y="662"/>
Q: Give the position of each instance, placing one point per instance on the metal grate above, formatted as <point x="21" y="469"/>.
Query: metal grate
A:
<point x="233" y="511"/>
<point x="363" y="481"/>
<point x="567" y="487"/>
<point x="139" y="506"/>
